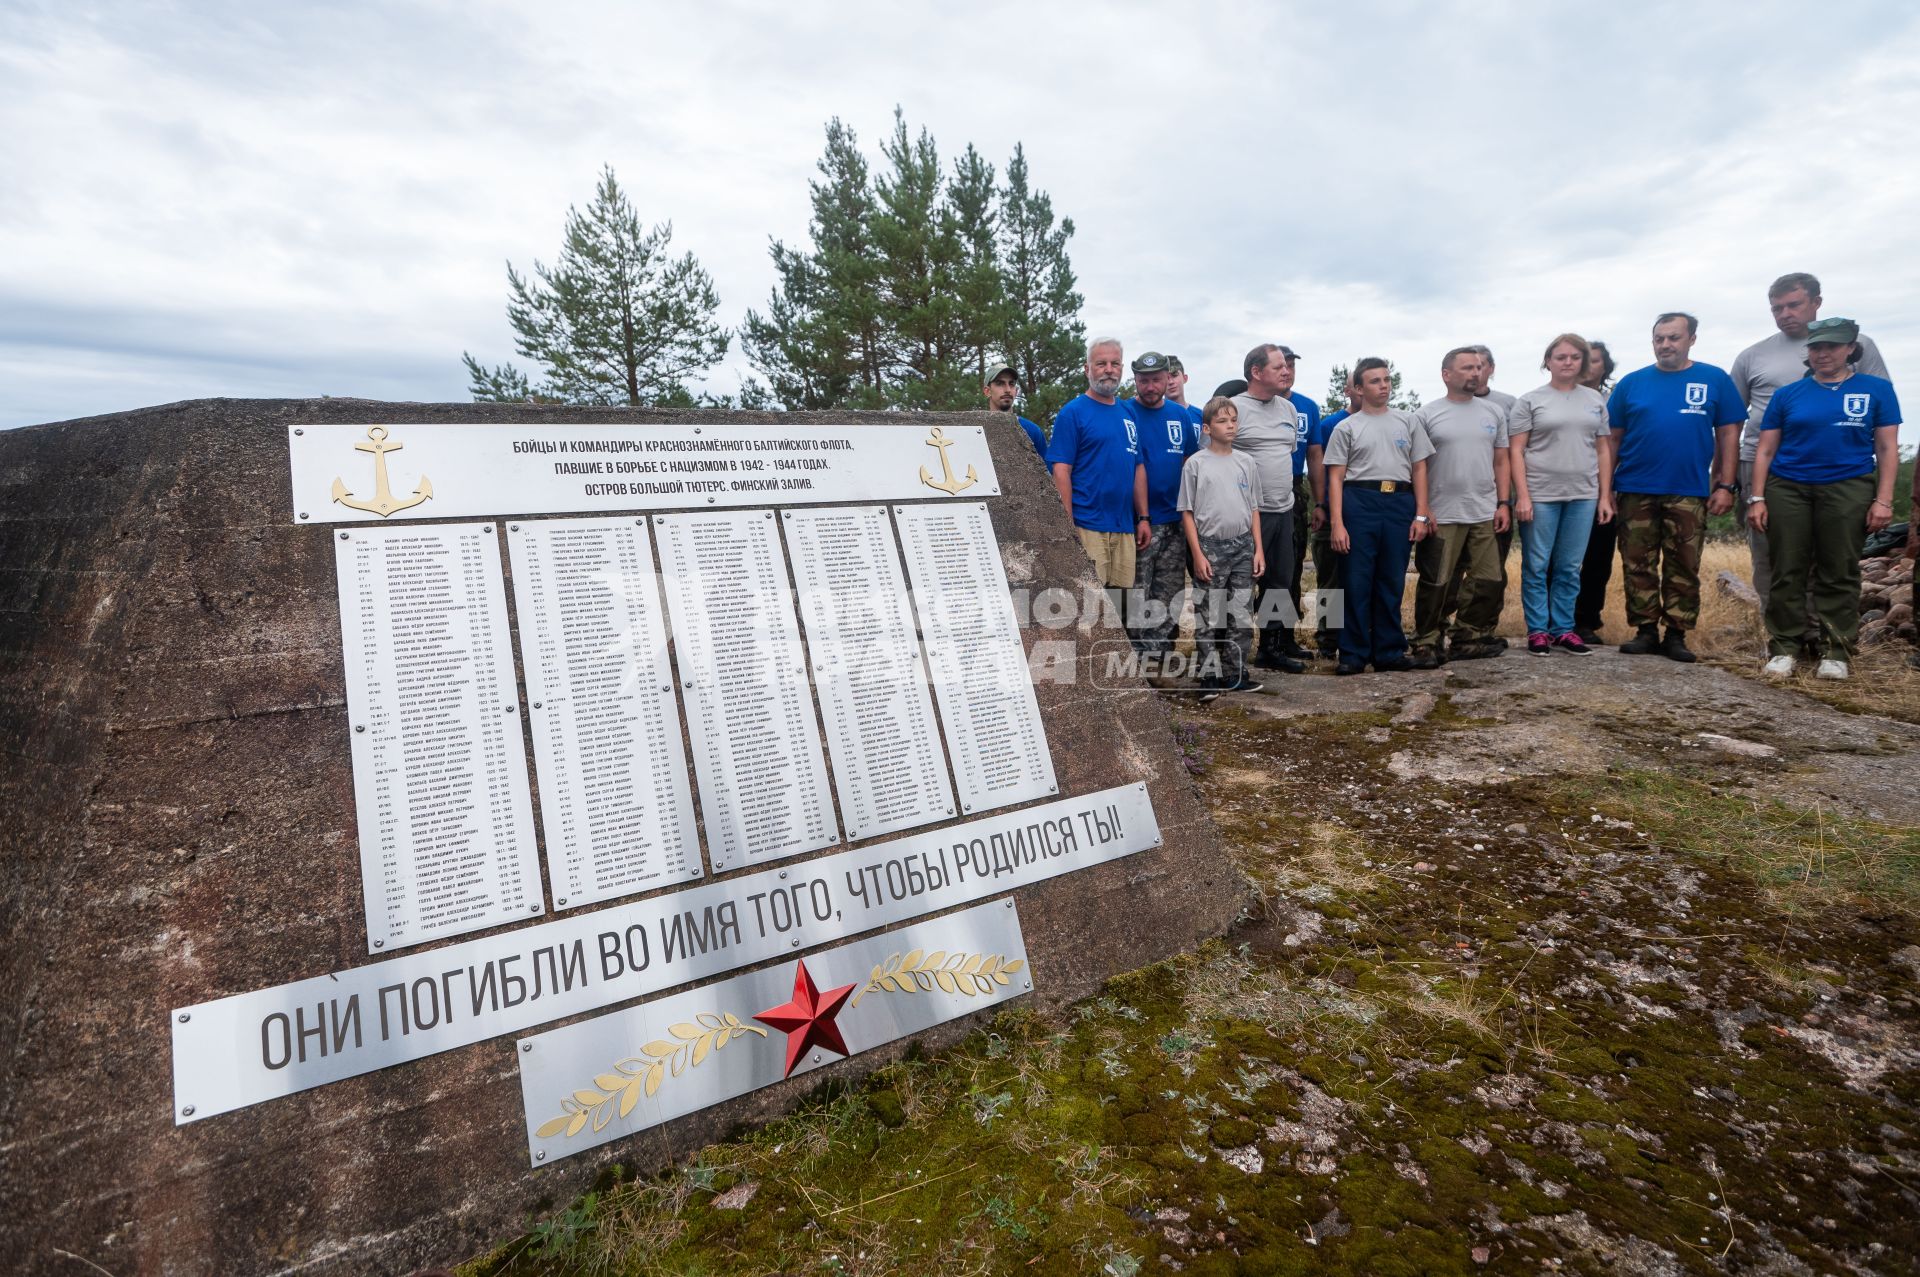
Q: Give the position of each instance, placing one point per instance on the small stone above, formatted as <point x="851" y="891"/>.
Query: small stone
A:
<point x="1481" y="1254"/>
<point x="1732" y="745"/>
<point x="737" y="1197"/>
<point x="1516" y="828"/>
<point x="1421" y="866"/>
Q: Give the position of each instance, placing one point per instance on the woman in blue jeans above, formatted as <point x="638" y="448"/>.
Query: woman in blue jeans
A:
<point x="1562" y="485"/>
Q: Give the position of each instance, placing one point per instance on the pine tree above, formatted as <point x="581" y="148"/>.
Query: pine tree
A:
<point x="919" y="251"/>
<point x="981" y="322"/>
<point x="616" y="320"/>
<point x="1044" y="336"/>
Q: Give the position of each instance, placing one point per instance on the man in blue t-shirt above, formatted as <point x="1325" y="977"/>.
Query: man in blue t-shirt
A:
<point x="1676" y="432"/>
<point x="1002" y="388"/>
<point x="1166" y="439"/>
<point x="1095" y="455"/>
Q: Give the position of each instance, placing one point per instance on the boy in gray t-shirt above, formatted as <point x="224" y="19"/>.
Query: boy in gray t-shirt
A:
<point x="1219" y="507"/>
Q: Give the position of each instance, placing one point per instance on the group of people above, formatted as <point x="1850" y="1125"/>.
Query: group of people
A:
<point x="1801" y="433"/>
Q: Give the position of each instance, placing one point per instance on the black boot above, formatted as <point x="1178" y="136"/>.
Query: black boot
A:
<point x="1645" y="643"/>
<point x="1675" y="648"/>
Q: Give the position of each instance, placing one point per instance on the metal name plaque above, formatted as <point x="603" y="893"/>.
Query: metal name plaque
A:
<point x="598" y="1080"/>
<point x="756" y="744"/>
<point x="888" y="767"/>
<point x="368" y="473"/>
<point x="615" y="800"/>
<point x="980" y="675"/>
<point x="240" y="1050"/>
<point x="439" y="767"/>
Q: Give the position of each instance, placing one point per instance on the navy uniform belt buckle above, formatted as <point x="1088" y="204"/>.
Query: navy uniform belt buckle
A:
<point x="1386" y="485"/>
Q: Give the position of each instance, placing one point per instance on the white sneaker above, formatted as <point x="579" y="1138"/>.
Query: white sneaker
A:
<point x="1831" y="669"/>
<point x="1778" y="667"/>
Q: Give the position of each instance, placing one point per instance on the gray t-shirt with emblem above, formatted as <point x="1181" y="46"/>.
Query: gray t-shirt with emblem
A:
<point x="1460" y="473"/>
<point x="1222" y="490"/>
<point x="1378" y="446"/>
<point x="1560" y="427"/>
<point x="1269" y="432"/>
<point x="1780" y="360"/>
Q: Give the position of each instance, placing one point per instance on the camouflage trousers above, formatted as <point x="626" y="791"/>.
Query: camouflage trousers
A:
<point x="1223" y="608"/>
<point x="1159" y="577"/>
<point x="1660" y="542"/>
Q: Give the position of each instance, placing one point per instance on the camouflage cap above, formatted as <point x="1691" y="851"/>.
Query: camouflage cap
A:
<point x="1152" y="361"/>
<point x="997" y="371"/>
<point x="1174" y="365"/>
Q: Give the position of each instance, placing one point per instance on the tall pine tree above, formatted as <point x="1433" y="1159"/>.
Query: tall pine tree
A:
<point x="917" y="279"/>
<point x="616" y="320"/>
<point x="1044" y="337"/>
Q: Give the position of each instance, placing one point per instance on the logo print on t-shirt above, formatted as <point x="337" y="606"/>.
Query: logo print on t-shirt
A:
<point x="1696" y="394"/>
<point x="1133" y="436"/>
<point x="1176" y="433"/>
<point x="1855" y="405"/>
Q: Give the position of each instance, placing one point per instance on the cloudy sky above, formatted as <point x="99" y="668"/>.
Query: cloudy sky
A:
<point x="241" y="199"/>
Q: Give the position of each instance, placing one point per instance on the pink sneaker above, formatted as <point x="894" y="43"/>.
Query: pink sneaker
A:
<point x="1539" y="644"/>
<point x="1571" y="642"/>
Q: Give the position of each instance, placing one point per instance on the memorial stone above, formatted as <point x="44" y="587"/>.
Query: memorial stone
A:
<point x="280" y="991"/>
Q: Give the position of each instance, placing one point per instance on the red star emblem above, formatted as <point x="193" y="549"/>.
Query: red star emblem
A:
<point x="808" y="1019"/>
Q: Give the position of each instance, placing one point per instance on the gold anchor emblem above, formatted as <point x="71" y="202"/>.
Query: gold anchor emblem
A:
<point x="383" y="503"/>
<point x="946" y="483"/>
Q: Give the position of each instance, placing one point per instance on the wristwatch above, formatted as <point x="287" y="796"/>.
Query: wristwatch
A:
<point x="1756" y="500"/>
<point x="1727" y="487"/>
<point x="1421" y="518"/>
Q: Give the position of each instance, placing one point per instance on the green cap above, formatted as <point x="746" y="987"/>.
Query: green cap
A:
<point x="1835" y="332"/>
<point x="1152" y="361"/>
<point x="1174" y="365"/>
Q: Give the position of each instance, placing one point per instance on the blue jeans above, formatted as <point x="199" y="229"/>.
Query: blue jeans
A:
<point x="1551" y="548"/>
<point x="1374" y="573"/>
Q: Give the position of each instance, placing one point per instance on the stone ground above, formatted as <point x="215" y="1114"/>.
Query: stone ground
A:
<point x="1594" y="964"/>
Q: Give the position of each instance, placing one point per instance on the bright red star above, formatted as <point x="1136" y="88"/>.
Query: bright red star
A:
<point x="808" y="1019"/>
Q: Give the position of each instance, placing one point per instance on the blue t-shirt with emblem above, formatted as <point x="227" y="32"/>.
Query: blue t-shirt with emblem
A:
<point x="1665" y="422"/>
<point x="1167" y="439"/>
<point x="1309" y="428"/>
<point x="1033" y="433"/>
<point x="1102" y="444"/>
<point x="1826" y="431"/>
<point x="1323" y="428"/>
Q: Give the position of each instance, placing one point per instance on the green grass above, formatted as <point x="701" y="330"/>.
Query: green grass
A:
<point x="1810" y="858"/>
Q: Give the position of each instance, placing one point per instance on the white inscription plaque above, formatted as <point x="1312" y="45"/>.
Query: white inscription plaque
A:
<point x="615" y="802"/>
<point x="756" y="745"/>
<point x="464" y="470"/>
<point x="980" y="676"/>
<point x="600" y="1079"/>
<point x="888" y="767"/>
<point x="439" y="769"/>
<point x="242" y="1049"/>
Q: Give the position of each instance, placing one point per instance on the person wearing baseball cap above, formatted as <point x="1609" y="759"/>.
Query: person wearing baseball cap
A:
<point x="1002" y="387"/>
<point x="1824" y="472"/>
<point x="1167" y="439"/>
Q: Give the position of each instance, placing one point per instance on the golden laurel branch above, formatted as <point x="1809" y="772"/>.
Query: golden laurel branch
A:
<point x="922" y="972"/>
<point x="630" y="1077"/>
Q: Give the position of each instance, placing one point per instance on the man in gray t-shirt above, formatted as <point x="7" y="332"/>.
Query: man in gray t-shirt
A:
<point x="1503" y="540"/>
<point x="1767" y="365"/>
<point x="1459" y="564"/>
<point x="1269" y="432"/>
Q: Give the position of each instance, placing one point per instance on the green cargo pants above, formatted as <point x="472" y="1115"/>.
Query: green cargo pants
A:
<point x="1816" y="530"/>
<point x="1459" y="567"/>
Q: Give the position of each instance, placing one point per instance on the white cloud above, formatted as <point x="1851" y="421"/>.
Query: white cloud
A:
<point x="229" y="200"/>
